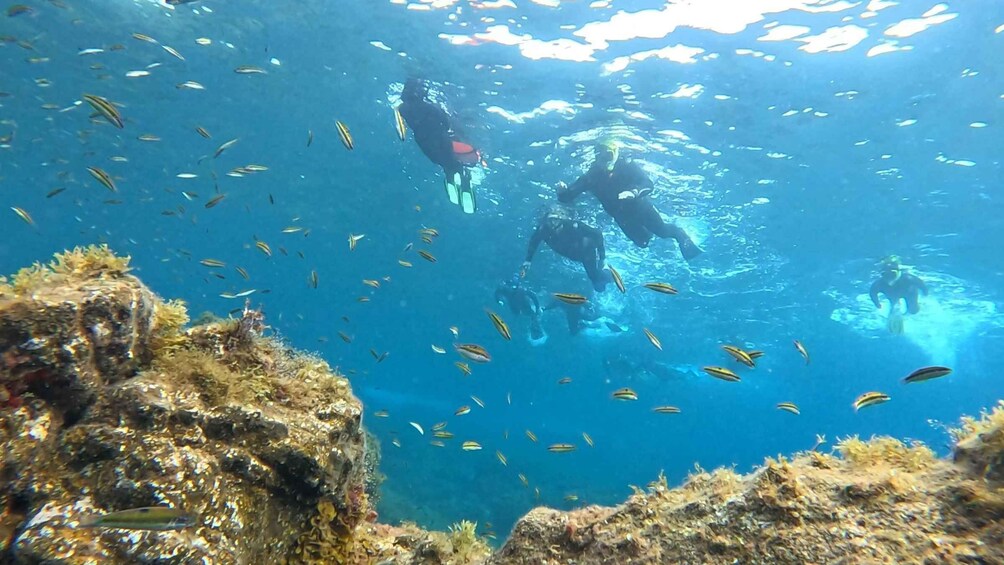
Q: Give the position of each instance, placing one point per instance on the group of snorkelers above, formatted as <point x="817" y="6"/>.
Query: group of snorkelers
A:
<point x="622" y="188"/>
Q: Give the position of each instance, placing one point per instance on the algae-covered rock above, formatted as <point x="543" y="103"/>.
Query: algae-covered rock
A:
<point x="109" y="405"/>
<point x="879" y="501"/>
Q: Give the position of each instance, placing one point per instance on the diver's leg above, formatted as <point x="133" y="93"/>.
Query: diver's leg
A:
<point x="912" y="303"/>
<point x="633" y="228"/>
<point x="595" y="272"/>
<point x="653" y="221"/>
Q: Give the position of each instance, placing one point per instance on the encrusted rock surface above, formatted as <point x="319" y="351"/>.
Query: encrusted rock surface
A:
<point x="107" y="403"/>
<point x="876" y="502"/>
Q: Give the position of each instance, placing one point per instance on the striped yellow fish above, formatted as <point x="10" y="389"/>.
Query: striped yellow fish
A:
<point x="570" y="298"/>
<point x="344" y="135"/>
<point x="666" y="410"/>
<point x="532" y="436"/>
<point x="870" y="399"/>
<point x="788" y="407"/>
<point x="561" y="447"/>
<point x="462" y="411"/>
<point x="464" y="367"/>
<point x="23" y="214"/>
<point x="478" y="401"/>
<point x="625" y="394"/>
<point x="617" y="280"/>
<point x="402" y="128"/>
<point x="722" y="373"/>
<point x="261" y="245"/>
<point x="739" y="355"/>
<point x="427" y="256"/>
<point x="106" y="109"/>
<point x="214" y="263"/>
<point x="354" y="239"/>
<point x="473" y="352"/>
<point x="588" y="438"/>
<point x="663" y="288"/>
<point x="471" y="446"/>
<point x="103" y="178"/>
<point x="502" y="459"/>
<point x="651" y="338"/>
<point x="500" y="326"/>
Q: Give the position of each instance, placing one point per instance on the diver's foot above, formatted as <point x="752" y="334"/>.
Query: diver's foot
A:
<point x="689" y="249"/>
<point x="616" y="328"/>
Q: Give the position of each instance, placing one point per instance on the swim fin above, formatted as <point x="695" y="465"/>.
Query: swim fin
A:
<point x="467" y="200"/>
<point x="688" y="248"/>
<point x="453" y="188"/>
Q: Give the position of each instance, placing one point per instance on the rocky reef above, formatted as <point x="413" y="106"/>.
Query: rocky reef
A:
<point x="877" y="501"/>
<point x="109" y="402"/>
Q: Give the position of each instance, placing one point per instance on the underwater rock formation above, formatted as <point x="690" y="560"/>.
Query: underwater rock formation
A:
<point x="879" y="501"/>
<point x="107" y="402"/>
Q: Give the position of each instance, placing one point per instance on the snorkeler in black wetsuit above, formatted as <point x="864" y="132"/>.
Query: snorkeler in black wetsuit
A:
<point x="521" y="301"/>
<point x="572" y="239"/>
<point x="584" y="316"/>
<point x="436" y="137"/>
<point x="623" y="189"/>
<point x="896" y="284"/>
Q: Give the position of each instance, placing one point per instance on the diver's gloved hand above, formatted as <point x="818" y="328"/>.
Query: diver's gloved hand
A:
<point x="560" y="187"/>
<point x="524" y="268"/>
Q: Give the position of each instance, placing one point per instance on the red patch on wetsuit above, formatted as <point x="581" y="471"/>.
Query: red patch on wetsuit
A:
<point x="465" y="153"/>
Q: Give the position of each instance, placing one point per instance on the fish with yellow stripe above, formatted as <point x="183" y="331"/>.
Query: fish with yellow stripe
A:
<point x="106" y="109"/>
<point x="103" y="177"/>
<point x="500" y="326"/>
<point x="740" y="355"/>
<point x="402" y="128"/>
<point x="345" y="135"/>
<point x="721" y="373"/>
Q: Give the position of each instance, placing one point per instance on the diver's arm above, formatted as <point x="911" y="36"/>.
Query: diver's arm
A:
<point x="531" y="248"/>
<point x="569" y="194"/>
<point x="874" y="293"/>
<point x="920" y="284"/>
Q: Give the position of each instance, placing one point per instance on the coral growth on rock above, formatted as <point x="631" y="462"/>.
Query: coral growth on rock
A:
<point x="879" y="501"/>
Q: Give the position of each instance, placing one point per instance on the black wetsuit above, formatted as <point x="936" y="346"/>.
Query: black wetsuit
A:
<point x="637" y="217"/>
<point x="907" y="288"/>
<point x="576" y="241"/>
<point x="521" y="301"/>
<point x="433" y="129"/>
<point x="576" y="315"/>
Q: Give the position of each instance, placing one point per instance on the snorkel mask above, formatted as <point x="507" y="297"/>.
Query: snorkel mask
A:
<point x="606" y="154"/>
<point x="891" y="269"/>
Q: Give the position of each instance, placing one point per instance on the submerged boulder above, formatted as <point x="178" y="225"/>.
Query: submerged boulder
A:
<point x="877" y="501"/>
<point x="110" y="405"/>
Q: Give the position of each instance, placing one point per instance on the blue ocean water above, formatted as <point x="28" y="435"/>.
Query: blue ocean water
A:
<point x="799" y="141"/>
